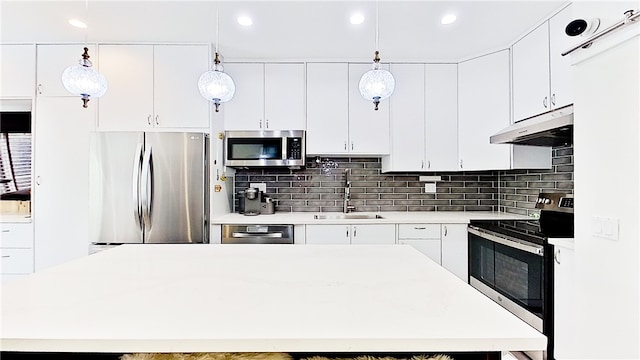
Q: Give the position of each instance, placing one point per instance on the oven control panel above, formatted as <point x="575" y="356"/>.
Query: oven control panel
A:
<point x="555" y="202"/>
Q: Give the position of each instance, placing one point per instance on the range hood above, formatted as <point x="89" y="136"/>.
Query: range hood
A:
<point x="553" y="128"/>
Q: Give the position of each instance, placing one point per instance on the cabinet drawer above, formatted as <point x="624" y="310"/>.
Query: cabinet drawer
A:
<point x="419" y="231"/>
<point x="16" y="261"/>
<point x="16" y="235"/>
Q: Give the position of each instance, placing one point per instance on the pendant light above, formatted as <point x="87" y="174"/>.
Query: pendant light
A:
<point x="82" y="79"/>
<point x="215" y="85"/>
<point x="376" y="84"/>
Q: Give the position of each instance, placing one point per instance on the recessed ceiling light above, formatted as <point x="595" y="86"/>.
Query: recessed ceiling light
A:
<point x="245" y="21"/>
<point x="77" y="23"/>
<point x="448" y="19"/>
<point x="356" y="19"/>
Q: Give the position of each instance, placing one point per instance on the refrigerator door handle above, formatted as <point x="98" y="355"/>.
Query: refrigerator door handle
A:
<point x="137" y="165"/>
<point x="147" y="188"/>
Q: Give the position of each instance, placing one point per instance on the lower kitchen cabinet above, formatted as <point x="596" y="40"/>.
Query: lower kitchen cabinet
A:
<point x="445" y="244"/>
<point x="564" y="302"/>
<point x="455" y="250"/>
<point x="423" y="237"/>
<point x="360" y="234"/>
<point x="16" y="250"/>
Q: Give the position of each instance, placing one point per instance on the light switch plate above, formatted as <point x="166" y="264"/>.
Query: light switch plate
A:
<point x="607" y="228"/>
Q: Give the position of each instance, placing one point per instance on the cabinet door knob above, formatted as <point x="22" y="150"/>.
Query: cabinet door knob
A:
<point x="260" y="123"/>
<point x="428" y="164"/>
<point x="544" y="102"/>
<point x="347" y="231"/>
<point x="460" y="163"/>
<point x="39" y="89"/>
<point x="38" y="180"/>
<point x="553" y="99"/>
<point x="345" y="145"/>
<point x="556" y="256"/>
<point x="352" y="145"/>
<point x="149" y="119"/>
<point x="445" y="230"/>
<point x="422" y="164"/>
<point x="157" y="121"/>
<point x="267" y="123"/>
<point x="354" y="231"/>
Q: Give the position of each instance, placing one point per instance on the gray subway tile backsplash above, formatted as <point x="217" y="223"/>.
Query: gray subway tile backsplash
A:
<point x="318" y="189"/>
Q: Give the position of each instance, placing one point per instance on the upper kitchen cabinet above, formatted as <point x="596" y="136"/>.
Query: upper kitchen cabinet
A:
<point x="327" y="108"/>
<point x="424" y="118"/>
<point x="52" y="60"/>
<point x="368" y="128"/>
<point x="483" y="98"/>
<point x="339" y="120"/>
<point x="407" y="109"/>
<point x="541" y="76"/>
<point x="268" y="97"/>
<point x="17" y="71"/>
<point x="560" y="66"/>
<point x="150" y="88"/>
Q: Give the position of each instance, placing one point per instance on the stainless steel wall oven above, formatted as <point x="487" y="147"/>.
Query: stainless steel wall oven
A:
<point x="512" y="262"/>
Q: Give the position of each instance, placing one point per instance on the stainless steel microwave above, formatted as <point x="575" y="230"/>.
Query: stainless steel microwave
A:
<point x="265" y="148"/>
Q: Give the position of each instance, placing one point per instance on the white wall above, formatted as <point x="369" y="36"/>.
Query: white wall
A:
<point x="607" y="183"/>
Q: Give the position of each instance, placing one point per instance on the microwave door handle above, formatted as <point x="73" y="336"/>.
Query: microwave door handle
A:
<point x="530" y="248"/>
<point x="135" y="186"/>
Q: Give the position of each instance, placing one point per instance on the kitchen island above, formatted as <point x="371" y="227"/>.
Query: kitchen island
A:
<point x="255" y="298"/>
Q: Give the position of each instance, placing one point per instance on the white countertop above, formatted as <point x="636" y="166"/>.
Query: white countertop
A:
<point x="389" y="217"/>
<point x="254" y="298"/>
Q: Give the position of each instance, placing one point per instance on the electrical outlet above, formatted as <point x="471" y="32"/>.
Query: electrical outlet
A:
<point x="430" y="187"/>
<point x="261" y="186"/>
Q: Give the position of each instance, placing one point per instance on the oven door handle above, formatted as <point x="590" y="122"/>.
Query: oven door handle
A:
<point x="507" y="241"/>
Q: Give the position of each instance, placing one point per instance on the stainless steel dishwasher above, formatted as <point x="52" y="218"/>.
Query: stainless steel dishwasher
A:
<point x="257" y="234"/>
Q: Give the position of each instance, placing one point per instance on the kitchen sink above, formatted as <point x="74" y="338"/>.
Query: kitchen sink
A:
<point x="346" y="216"/>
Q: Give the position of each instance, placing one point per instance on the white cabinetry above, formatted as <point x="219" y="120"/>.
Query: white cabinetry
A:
<point x="61" y="195"/>
<point x="424" y="237"/>
<point x="483" y="98"/>
<point x="561" y="86"/>
<point x="151" y="88"/>
<point x="53" y="60"/>
<point x="541" y="76"/>
<point x="424" y="118"/>
<point x="445" y="244"/>
<point x="368" y="128"/>
<point x="563" y="290"/>
<point x="16" y="249"/>
<point x="361" y="234"/>
<point x="455" y="250"/>
<point x="327" y="108"/>
<point x="268" y="97"/>
<point x="17" y="70"/>
<point x="339" y="120"/>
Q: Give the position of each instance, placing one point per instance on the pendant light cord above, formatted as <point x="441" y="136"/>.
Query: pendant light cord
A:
<point x="217" y="26"/>
<point x="86" y="15"/>
<point x="377" y="24"/>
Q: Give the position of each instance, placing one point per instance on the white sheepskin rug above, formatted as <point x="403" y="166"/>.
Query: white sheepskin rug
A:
<point x="261" y="356"/>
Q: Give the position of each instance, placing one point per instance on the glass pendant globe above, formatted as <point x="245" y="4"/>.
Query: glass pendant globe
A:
<point x="84" y="81"/>
<point x="377" y="85"/>
<point x="216" y="86"/>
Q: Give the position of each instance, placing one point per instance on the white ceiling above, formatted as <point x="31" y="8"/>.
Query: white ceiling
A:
<point x="286" y="30"/>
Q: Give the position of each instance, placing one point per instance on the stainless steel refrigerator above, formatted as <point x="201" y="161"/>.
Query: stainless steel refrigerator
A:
<point x="148" y="188"/>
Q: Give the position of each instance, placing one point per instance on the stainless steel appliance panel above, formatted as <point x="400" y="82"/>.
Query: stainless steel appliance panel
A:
<point x="174" y="177"/>
<point x="257" y="234"/>
<point x="114" y="213"/>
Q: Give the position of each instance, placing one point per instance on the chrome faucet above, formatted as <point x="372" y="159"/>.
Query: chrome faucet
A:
<point x="346" y="207"/>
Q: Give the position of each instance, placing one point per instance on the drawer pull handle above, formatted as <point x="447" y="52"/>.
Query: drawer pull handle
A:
<point x="6" y="256"/>
<point x="6" y="231"/>
<point x="420" y="228"/>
